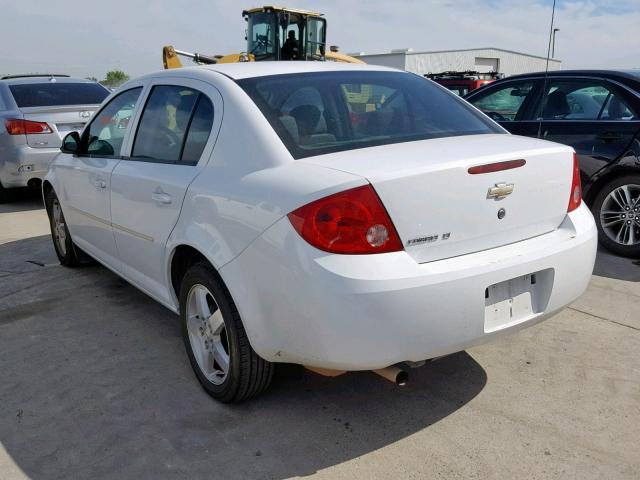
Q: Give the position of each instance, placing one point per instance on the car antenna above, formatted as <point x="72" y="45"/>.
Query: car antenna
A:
<point x="546" y="71"/>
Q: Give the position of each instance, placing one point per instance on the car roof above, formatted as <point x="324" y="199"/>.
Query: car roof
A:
<point x="22" y="80"/>
<point x="241" y="70"/>
<point x="622" y="75"/>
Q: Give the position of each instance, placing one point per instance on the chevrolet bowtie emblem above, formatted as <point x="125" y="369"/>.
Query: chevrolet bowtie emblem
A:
<point x="501" y="190"/>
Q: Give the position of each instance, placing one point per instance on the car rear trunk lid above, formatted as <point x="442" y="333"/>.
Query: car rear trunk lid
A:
<point x="440" y="210"/>
<point x="61" y="120"/>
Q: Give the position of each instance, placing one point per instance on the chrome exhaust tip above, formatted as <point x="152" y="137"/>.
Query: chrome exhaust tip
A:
<point x="394" y="375"/>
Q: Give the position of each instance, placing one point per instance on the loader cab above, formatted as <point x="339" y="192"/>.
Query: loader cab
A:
<point x="285" y="34"/>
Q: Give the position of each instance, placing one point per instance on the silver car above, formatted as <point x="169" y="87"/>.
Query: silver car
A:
<point x="36" y="112"/>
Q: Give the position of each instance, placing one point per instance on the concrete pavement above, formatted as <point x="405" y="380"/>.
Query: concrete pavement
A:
<point x="94" y="383"/>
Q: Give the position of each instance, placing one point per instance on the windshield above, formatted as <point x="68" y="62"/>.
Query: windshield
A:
<point x="262" y="35"/>
<point x="318" y="113"/>
<point x="57" y="94"/>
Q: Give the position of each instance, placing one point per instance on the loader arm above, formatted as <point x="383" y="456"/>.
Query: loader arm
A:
<point x="171" y="58"/>
<point x="341" y="57"/>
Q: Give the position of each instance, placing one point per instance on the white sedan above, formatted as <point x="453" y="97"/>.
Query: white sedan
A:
<point x="341" y="217"/>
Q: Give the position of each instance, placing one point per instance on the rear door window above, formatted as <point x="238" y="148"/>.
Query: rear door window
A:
<point x="199" y="131"/>
<point x="174" y="127"/>
<point x="584" y="99"/>
<point x="57" y="94"/>
<point x="616" y="108"/>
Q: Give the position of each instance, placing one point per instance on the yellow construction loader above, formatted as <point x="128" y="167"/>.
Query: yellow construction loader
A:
<point x="273" y="33"/>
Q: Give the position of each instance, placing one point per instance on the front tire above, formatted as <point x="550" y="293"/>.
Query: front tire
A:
<point x="616" y="209"/>
<point x="62" y="243"/>
<point x="217" y="345"/>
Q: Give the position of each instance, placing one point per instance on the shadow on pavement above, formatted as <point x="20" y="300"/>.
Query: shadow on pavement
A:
<point x="619" y="268"/>
<point x="27" y="255"/>
<point x="23" y="200"/>
<point x="95" y="383"/>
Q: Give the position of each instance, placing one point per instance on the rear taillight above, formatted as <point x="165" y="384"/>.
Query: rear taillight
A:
<point x="576" y="186"/>
<point x="26" y="127"/>
<point x="349" y="222"/>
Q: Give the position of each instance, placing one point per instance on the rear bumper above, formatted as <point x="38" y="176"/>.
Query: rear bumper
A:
<point x="301" y="305"/>
<point x="25" y="163"/>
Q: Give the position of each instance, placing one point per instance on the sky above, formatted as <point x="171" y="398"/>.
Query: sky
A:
<point x="88" y="38"/>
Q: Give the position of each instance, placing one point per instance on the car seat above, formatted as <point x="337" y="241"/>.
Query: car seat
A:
<point x="311" y="125"/>
<point x="557" y="105"/>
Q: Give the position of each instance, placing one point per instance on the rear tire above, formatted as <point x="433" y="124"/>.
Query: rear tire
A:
<point x="216" y="342"/>
<point x="62" y="242"/>
<point x="616" y="209"/>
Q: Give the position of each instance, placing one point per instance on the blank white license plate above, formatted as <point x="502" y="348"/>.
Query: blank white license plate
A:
<point x="513" y="301"/>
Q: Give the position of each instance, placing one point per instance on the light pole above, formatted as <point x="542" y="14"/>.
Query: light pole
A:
<point x="553" y="43"/>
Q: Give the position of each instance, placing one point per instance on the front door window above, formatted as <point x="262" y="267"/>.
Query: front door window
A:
<point x="506" y="103"/>
<point x="104" y="136"/>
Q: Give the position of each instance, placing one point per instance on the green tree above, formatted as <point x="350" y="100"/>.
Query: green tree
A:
<point x="115" y="78"/>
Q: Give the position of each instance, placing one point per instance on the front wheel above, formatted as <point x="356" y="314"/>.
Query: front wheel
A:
<point x="616" y="209"/>
<point x="217" y="345"/>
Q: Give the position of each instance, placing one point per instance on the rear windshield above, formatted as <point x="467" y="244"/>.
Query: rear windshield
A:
<point x="57" y="94"/>
<point x="318" y="113"/>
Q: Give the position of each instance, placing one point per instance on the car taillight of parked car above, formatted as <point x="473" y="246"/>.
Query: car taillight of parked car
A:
<point x="349" y="222"/>
<point x="26" y="127"/>
<point x="576" y="186"/>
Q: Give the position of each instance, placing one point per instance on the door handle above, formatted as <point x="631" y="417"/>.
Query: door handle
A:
<point x="610" y="136"/>
<point x="99" y="183"/>
<point x="161" y="198"/>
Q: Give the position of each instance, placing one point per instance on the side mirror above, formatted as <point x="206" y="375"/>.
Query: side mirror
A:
<point x="71" y="143"/>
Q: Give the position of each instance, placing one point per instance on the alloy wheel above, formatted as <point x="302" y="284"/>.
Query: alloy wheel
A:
<point x="59" y="228"/>
<point x="207" y="334"/>
<point x="620" y="215"/>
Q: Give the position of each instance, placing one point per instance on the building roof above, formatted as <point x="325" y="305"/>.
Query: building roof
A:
<point x="409" y="51"/>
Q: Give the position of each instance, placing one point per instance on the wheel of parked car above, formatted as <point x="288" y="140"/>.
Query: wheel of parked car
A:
<point x="63" y="245"/>
<point x="617" y="212"/>
<point x="215" y="339"/>
<point x="4" y="194"/>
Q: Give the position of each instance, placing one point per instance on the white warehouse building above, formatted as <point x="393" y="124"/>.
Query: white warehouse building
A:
<point x="481" y="60"/>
